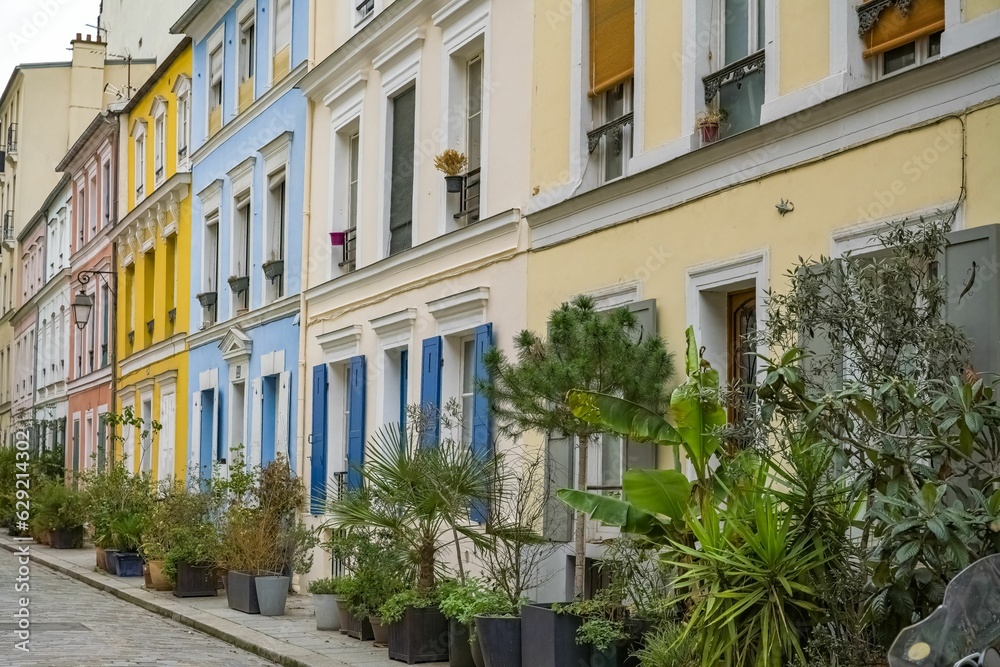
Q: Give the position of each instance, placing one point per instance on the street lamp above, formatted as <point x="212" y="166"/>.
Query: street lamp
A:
<point x="82" y="305"/>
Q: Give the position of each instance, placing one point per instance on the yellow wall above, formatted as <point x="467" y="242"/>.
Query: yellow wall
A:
<point x="551" y="97"/>
<point x="804" y="38"/>
<point x="973" y="9"/>
<point x="894" y="176"/>
<point x="663" y="25"/>
<point x="173" y="368"/>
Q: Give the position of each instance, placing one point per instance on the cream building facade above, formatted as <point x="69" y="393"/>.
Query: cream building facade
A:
<point x="843" y="117"/>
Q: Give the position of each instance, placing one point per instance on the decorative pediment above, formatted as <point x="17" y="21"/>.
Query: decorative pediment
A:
<point x="236" y="346"/>
<point x="158" y="107"/>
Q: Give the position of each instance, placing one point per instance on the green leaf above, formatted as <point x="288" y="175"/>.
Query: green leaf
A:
<point x="692" y="360"/>
<point x="974" y="421"/>
<point x="907" y="552"/>
<point x="609" y="511"/>
<point x="930" y="495"/>
<point x="666" y="492"/>
<point x="621" y="416"/>
<point x="937" y="526"/>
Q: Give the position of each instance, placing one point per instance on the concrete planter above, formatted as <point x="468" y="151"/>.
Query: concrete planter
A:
<point x="380" y="630"/>
<point x="327" y="614"/>
<point x="241" y="592"/>
<point x="272" y="591"/>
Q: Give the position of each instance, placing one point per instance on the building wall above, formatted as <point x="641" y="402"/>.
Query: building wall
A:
<point x="140" y="29"/>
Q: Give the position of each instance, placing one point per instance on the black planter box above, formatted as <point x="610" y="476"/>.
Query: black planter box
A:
<point x="548" y="639"/>
<point x="241" y="592"/>
<point x="459" y="648"/>
<point x="195" y="581"/>
<point x="359" y="628"/>
<point x="500" y="638"/>
<point x="620" y="655"/>
<point x="67" y="538"/>
<point x="421" y="636"/>
<point x="127" y="564"/>
<point x="111" y="560"/>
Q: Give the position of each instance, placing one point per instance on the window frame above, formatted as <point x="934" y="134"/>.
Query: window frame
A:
<point x="601" y="118"/>
<point x="276" y="46"/>
<point x="159" y="143"/>
<point x="246" y="60"/>
<point x="754" y="20"/>
<point x="922" y="56"/>
<point x="139" y="135"/>
<point x="182" y="92"/>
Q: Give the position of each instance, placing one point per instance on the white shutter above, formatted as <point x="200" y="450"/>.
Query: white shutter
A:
<point x="281" y="433"/>
<point x="256" y="423"/>
<point x="194" y="455"/>
<point x="165" y="461"/>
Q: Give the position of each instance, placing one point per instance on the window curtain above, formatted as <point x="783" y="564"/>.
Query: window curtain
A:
<point x="612" y="43"/>
<point x="901" y="22"/>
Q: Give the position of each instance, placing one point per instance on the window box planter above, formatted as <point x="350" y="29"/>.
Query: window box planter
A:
<point x="454" y="184"/>
<point x="421" y="636"/>
<point x="150" y="326"/>
<point x="327" y="612"/>
<point x="67" y="538"/>
<point x="194" y="581"/>
<point x="273" y="268"/>
<point x="239" y="284"/>
<point x="500" y="638"/>
<point x="207" y="299"/>
<point x="124" y="564"/>
<point x="131" y="337"/>
<point x="272" y="592"/>
<point x="548" y="639"/>
<point x="459" y="645"/>
<point x="241" y="592"/>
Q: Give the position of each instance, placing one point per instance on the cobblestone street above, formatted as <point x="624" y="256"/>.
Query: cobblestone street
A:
<point x="74" y="625"/>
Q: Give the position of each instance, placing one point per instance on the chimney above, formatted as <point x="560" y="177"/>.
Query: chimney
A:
<point x="86" y="86"/>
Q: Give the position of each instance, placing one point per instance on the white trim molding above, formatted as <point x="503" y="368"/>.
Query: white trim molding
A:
<point x="460" y="312"/>
<point x="341" y="344"/>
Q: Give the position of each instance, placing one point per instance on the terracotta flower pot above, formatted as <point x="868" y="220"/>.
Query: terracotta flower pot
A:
<point x="158" y="580"/>
<point x="709" y="133"/>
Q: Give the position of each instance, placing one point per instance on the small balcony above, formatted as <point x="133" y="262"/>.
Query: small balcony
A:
<point x="471" y="189"/>
<point x="12" y="139"/>
<point x="7" y="233"/>
<point x="349" y="262"/>
<point x="737" y="90"/>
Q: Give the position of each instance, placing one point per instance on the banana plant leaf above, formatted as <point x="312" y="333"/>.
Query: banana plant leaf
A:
<point x="609" y="510"/>
<point x="623" y="417"/>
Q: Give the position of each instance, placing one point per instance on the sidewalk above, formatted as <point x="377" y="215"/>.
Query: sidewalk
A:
<point x="291" y="640"/>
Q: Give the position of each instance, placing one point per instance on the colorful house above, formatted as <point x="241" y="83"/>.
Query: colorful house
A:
<point x="248" y="149"/>
<point x="153" y="249"/>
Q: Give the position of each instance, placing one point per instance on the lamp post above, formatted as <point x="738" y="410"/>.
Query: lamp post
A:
<point x="82" y="305"/>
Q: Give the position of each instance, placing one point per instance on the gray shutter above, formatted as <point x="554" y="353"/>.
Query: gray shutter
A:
<point x="642" y="455"/>
<point x="558" y="520"/>
<point x="825" y="365"/>
<point x="969" y="267"/>
<point x="401" y="192"/>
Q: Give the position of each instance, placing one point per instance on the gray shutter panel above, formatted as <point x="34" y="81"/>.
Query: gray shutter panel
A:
<point x="969" y="267"/>
<point x="825" y="364"/>
<point x="401" y="192"/>
<point x="642" y="455"/>
<point x="558" y="520"/>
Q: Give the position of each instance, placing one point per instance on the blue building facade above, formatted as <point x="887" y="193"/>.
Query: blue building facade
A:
<point x="247" y="142"/>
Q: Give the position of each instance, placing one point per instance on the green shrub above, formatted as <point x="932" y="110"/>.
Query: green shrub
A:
<point x="326" y="586"/>
<point x="668" y="647"/>
<point x="54" y="506"/>
<point x="463" y="602"/>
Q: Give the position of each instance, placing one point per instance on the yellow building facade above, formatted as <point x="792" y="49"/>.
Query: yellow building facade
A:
<point x="153" y="249"/>
<point x="842" y="118"/>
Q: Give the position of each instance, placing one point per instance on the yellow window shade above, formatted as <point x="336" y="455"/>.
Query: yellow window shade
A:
<point x="895" y="27"/>
<point x="612" y="43"/>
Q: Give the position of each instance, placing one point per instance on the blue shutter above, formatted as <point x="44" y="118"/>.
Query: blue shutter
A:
<point x="317" y="474"/>
<point x="356" y="427"/>
<point x="482" y="426"/>
<point x="430" y="391"/>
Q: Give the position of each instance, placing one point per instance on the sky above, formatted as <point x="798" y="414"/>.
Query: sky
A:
<point x="40" y="30"/>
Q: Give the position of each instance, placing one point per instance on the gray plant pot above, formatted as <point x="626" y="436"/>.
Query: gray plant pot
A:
<point x="271" y="595"/>
<point x="327" y="615"/>
<point x="241" y="592"/>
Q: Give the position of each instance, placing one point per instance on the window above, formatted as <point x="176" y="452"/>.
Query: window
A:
<point x="364" y="9"/>
<point x="281" y="63"/>
<point x="140" y="162"/>
<point x="349" y="261"/>
<point x="741" y="326"/>
<point x="159" y="147"/>
<point x="92" y="201"/>
<point x="237" y="413"/>
<point x="105" y="323"/>
<point x="241" y="252"/>
<point x="402" y="169"/>
<point x="171" y="283"/>
<point x="340" y="415"/>
<point x="148" y="287"/>
<point x="737" y="82"/>
<point x="130" y="302"/>
<point x="274" y="266"/>
<point x="395" y="380"/>
<point x="909" y="55"/>
<point x="106" y="188"/>
<point x="468" y="387"/>
<point x="183" y="91"/>
<point x="473" y="137"/>
<point x="146" y="455"/>
<point x="215" y="88"/>
<point x="611" y="141"/>
<point x="247" y="58"/>
<point x="742" y="29"/>
<point x="210" y="279"/>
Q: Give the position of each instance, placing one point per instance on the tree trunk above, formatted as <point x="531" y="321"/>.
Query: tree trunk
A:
<point x="581" y="519"/>
<point x="425" y="574"/>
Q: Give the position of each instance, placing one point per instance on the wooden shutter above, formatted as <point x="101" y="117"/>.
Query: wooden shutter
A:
<point x="356" y="427"/>
<point x="430" y="391"/>
<point x="317" y="464"/>
<point x="281" y="435"/>
<point x="482" y="431"/>
<point x="557" y="524"/>
<point x="969" y="268"/>
<point x="642" y="455"/>
<point x="612" y="43"/>
<point x="895" y="28"/>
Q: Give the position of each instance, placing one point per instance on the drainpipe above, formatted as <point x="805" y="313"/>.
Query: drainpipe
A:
<point x="303" y="278"/>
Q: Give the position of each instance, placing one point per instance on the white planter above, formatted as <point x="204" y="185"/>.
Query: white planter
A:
<point x="271" y="595"/>
<point x="327" y="615"/>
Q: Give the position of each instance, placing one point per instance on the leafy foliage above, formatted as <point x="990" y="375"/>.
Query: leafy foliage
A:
<point x="669" y="647"/>
<point x="325" y="586"/>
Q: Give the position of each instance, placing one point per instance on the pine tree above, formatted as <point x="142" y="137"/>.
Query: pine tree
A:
<point x="585" y="349"/>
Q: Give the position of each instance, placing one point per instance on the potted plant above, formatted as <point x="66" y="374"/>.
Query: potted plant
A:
<point x="461" y="603"/>
<point x="273" y="268"/>
<point x="324" y="592"/>
<point x="182" y="528"/>
<point x="239" y="284"/>
<point x="59" y="514"/>
<point x="206" y="299"/>
<point x="452" y="164"/>
<point x="354" y="620"/>
<point x="126" y="537"/>
<point x="421" y="498"/>
<point x="708" y="123"/>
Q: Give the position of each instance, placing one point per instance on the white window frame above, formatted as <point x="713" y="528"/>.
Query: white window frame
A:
<point x="395" y="334"/>
<point x="921" y="57"/>
<point x="146" y="457"/>
<point x="346" y="105"/>
<point x="234" y="418"/>
<point x="753" y="32"/>
<point x="182" y="91"/>
<point x="246" y="60"/>
<point x="216" y="43"/>
<point x="167" y="434"/>
<point x="338" y="409"/>
<point x="159" y="113"/>
<point x="139" y="159"/>
<point x="277" y="169"/>
<point x="600" y="117"/>
<point x="360" y="17"/>
<point x="276" y="46"/>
